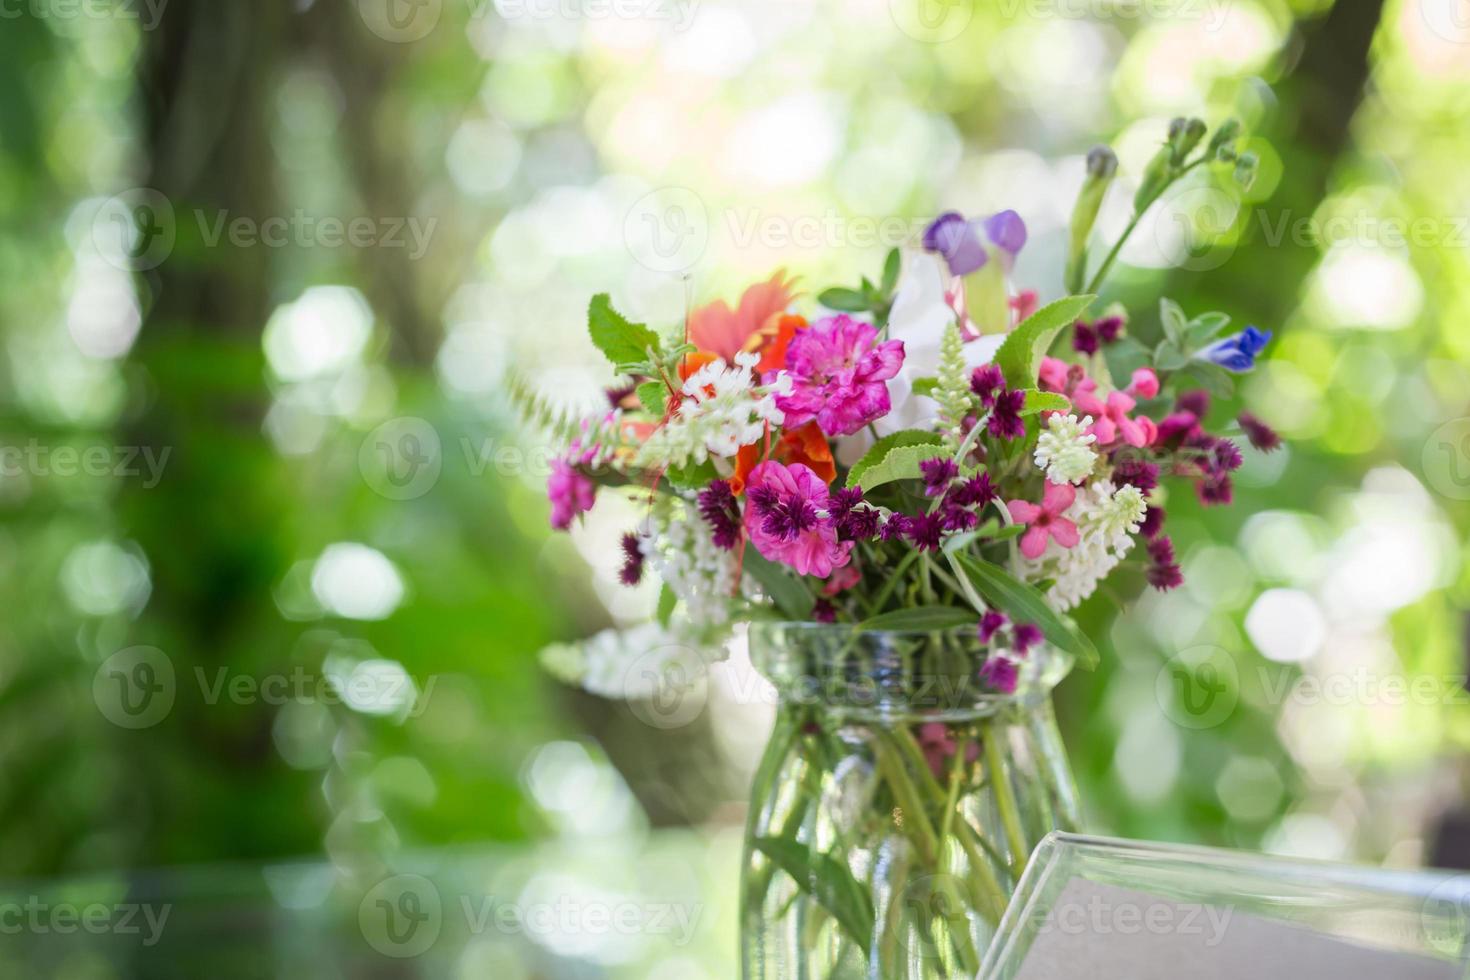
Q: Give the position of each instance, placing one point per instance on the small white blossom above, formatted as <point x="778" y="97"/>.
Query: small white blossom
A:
<point x="680" y="546"/>
<point x="631" y="665"/>
<point x="720" y="410"/>
<point x="1065" y="450"/>
<point x="1105" y="516"/>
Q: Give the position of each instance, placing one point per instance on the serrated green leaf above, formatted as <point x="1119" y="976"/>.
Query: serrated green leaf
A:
<point x="621" y="341"/>
<point x="844" y="300"/>
<point x="880" y="449"/>
<point x="899" y="464"/>
<point x="1020" y="355"/>
<point x="1044" y="401"/>
<point x="788" y="592"/>
<point x="891" y="267"/>
<point x="1173" y="320"/>
<point x="921" y="619"/>
<point x="1024" y="604"/>
<point x="828" y="881"/>
<point x="654" y="395"/>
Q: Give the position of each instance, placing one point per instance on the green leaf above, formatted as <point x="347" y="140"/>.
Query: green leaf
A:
<point x="926" y="386"/>
<point x="1172" y="317"/>
<point x="654" y="395"/>
<point x="875" y="455"/>
<point x="623" y="343"/>
<point x="1020" y="355"/>
<point x="1044" y="401"/>
<point x="788" y="592"/>
<point x="1168" y="357"/>
<point x="844" y="300"/>
<point x="1009" y="531"/>
<point x="921" y="619"/>
<point x="1024" y="604"/>
<point x="900" y="464"/>
<point x="1203" y="329"/>
<point x="695" y="476"/>
<point x="1219" y="382"/>
<point x="666" y="602"/>
<point x="826" y="880"/>
<point x="890" y="271"/>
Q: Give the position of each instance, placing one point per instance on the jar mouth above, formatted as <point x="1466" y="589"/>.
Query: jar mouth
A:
<point x="933" y="674"/>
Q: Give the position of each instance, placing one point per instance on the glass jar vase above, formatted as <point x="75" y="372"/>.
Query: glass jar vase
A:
<point x="897" y="802"/>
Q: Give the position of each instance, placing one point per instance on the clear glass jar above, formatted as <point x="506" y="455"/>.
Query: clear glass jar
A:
<point x="897" y="803"/>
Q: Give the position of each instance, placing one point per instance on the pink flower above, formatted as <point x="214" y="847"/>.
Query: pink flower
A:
<point x="1053" y="374"/>
<point x="1046" y="520"/>
<point x="838" y="375"/>
<point x="1145" y="384"/>
<point x="571" y="493"/>
<point x="1113" y="422"/>
<point x="1024" y="304"/>
<point x="939" y="747"/>
<point x="785" y="519"/>
<point x="843" y="578"/>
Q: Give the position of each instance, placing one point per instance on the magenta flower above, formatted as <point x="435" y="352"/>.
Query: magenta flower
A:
<point x="571" y="493"/>
<point x="1113" y="422"/>
<point x="1001" y="674"/>
<point x="839" y="374"/>
<point x="785" y="519"/>
<point x="1145" y="384"/>
<point x="1045" y="520"/>
<point x="990" y="624"/>
<point x="1261" y="435"/>
<point x="939" y="746"/>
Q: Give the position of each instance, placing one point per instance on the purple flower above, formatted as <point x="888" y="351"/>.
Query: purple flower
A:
<point x="1163" y="571"/>
<point x="966" y="245"/>
<point x="839" y="374"/>
<point x="1196" y="401"/>
<point x="1024" y="637"/>
<point x="1152" y="523"/>
<point x="1109" y="329"/>
<point x="632" y="571"/>
<point x="571" y="493"/>
<point x="1261" y="435"/>
<point x="925" y="531"/>
<point x="843" y="502"/>
<point x="1001" y="674"/>
<point x="1005" y="417"/>
<point x="1175" y="428"/>
<point x="1084" y="338"/>
<point x="720" y="511"/>
<point x="977" y="491"/>
<point x="938" y="474"/>
<point x="1227" y="456"/>
<point x="985" y="381"/>
<point x="1215" y="490"/>
<point x="1133" y="471"/>
<point x="956" y="518"/>
<point x="894" y="528"/>
<point x="824" y="612"/>
<point x="1237" y="352"/>
<point x="859" y="525"/>
<point x="990" y="624"/>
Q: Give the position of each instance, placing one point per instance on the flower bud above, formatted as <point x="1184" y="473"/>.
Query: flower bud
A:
<point x="1184" y="136"/>
<point x="1156" y="177"/>
<point x="1245" y="170"/>
<point x="1102" y="166"/>
<point x="1224" y="139"/>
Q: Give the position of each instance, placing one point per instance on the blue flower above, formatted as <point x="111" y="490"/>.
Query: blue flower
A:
<point x="1237" y="352"/>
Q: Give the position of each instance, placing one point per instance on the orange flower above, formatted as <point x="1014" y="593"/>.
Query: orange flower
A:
<point x="805" y="445"/>
<point x="772" y="340"/>
<point x="725" y="332"/>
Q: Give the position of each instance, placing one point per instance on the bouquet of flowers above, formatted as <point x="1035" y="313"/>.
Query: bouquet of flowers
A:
<point x="929" y="452"/>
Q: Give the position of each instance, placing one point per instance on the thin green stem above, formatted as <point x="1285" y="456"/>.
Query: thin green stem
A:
<point x="1005" y="799"/>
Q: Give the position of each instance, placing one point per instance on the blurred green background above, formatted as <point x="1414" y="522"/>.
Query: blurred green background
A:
<point x="274" y="556"/>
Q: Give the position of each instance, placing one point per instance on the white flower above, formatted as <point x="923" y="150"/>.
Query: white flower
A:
<point x="1105" y="517"/>
<point x="1065" y="451"/>
<point x="721" y="409"/>
<point x="680" y="546"/>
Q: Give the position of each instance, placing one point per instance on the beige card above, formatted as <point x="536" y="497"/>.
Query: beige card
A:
<point x="1103" y="932"/>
